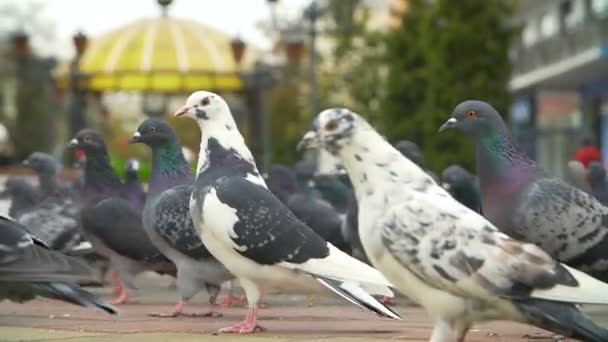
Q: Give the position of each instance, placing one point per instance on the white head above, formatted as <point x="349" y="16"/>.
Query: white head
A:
<point x="205" y="108"/>
<point x="333" y="129"/>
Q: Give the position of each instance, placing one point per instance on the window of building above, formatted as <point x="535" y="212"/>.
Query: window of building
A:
<point x="573" y="13"/>
<point x="549" y="24"/>
<point x="529" y="34"/>
<point x="600" y="7"/>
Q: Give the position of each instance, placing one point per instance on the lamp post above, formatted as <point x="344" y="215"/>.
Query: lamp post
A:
<point x="77" y="89"/>
<point x="312" y="13"/>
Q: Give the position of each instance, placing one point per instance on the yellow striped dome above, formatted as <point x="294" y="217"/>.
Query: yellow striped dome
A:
<point x="167" y="55"/>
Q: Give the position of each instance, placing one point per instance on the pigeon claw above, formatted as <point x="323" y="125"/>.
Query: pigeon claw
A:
<point x="248" y="326"/>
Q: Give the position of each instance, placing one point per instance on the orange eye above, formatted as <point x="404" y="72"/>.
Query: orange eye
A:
<point x="472" y="114"/>
<point x="330" y="126"/>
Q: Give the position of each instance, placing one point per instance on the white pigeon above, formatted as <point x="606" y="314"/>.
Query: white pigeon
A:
<point x="446" y="257"/>
<point x="253" y="234"/>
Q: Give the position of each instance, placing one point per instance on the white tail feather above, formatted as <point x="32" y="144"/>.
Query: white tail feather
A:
<point x="589" y="290"/>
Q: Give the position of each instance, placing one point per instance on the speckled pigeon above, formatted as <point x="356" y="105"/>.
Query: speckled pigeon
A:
<point x="28" y="268"/>
<point x="253" y="233"/>
<point x="462" y="186"/>
<point x="443" y="255"/>
<point x="22" y="194"/>
<point x="597" y="179"/>
<point x="523" y="201"/>
<point x="167" y="220"/>
<point x="110" y="222"/>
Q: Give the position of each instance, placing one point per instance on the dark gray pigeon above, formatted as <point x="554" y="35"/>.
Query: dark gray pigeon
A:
<point x="55" y="218"/>
<point x="110" y="223"/>
<point x="253" y="233"/>
<point x="167" y="218"/>
<point x="449" y="259"/>
<point x="314" y="211"/>
<point x="462" y="186"/>
<point x="411" y="151"/>
<point x="28" y="269"/>
<point x="22" y="194"/>
<point x="597" y="180"/>
<point x="133" y="188"/>
<point x="526" y="203"/>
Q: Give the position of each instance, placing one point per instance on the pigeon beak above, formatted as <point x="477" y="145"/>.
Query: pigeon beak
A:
<point x="182" y="111"/>
<point x="135" y="138"/>
<point x="73" y="143"/>
<point x="451" y="123"/>
<point x="309" y="140"/>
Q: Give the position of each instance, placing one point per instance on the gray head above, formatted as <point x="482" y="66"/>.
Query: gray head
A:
<point x="332" y="129"/>
<point x="154" y="132"/>
<point x="42" y="163"/>
<point x="596" y="173"/>
<point x="455" y="174"/>
<point x="16" y="186"/>
<point x="411" y="151"/>
<point x="475" y="118"/>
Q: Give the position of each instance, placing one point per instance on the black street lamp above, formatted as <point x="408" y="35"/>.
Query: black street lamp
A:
<point x="78" y="89"/>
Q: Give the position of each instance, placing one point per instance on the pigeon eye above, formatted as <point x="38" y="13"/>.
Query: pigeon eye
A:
<point x="330" y="126"/>
<point x="88" y="140"/>
<point x="205" y="101"/>
<point x="152" y="129"/>
<point x="472" y="114"/>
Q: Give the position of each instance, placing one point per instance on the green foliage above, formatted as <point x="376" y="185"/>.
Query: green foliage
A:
<point x="444" y="52"/>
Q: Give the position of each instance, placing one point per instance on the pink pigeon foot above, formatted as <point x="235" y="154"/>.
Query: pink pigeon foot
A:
<point x="178" y="311"/>
<point x="123" y="297"/>
<point x="247" y="326"/>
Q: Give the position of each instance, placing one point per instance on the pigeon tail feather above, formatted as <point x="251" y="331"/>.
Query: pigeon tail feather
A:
<point x="73" y="294"/>
<point x="563" y="318"/>
<point x="588" y="291"/>
<point x="356" y="295"/>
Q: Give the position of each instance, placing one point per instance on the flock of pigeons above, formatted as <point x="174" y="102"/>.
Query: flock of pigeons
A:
<point x="536" y="254"/>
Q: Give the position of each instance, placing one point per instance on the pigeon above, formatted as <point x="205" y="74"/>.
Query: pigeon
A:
<point x="167" y="220"/>
<point x="412" y="152"/>
<point x="597" y="180"/>
<point x="109" y="221"/>
<point x="314" y="211"/>
<point x="577" y="175"/>
<point x="133" y="189"/>
<point x="254" y="234"/>
<point x="22" y="194"/>
<point x="28" y="268"/>
<point x="462" y="186"/>
<point x="55" y="218"/>
<point x="458" y="266"/>
<point x="524" y="202"/>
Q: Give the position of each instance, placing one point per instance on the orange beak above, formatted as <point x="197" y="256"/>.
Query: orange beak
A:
<point x="181" y="111"/>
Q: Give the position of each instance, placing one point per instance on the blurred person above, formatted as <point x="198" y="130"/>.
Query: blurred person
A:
<point x="588" y="152"/>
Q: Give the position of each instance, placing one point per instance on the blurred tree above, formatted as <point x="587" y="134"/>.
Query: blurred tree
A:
<point x="444" y="52"/>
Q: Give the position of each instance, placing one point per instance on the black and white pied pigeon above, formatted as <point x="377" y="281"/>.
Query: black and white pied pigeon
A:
<point x="55" y="219"/>
<point x="110" y="222"/>
<point x="28" y="268"/>
<point x="167" y="219"/>
<point x="443" y="255"/>
<point x="524" y="202"/>
<point x="253" y="233"/>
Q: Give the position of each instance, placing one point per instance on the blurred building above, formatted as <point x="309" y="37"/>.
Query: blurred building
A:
<point x="560" y="78"/>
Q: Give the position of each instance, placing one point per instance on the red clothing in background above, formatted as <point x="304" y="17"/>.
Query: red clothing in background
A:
<point x="587" y="154"/>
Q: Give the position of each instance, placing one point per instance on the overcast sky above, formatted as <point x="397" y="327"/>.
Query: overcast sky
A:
<point x="94" y="17"/>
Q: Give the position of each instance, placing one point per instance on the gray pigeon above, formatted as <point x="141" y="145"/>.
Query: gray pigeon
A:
<point x="597" y="180"/>
<point x="524" y="202"/>
<point x="451" y="260"/>
<point x="47" y="169"/>
<point x="462" y="186"/>
<point x="133" y="188"/>
<point x="22" y="194"/>
<point x="110" y="222"/>
<point x="28" y="269"/>
<point x="253" y="233"/>
<point x="167" y="218"/>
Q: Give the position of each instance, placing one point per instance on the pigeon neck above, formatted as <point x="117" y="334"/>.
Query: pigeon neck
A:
<point x="169" y="168"/>
<point x="375" y="167"/>
<point x="499" y="158"/>
<point x="99" y="175"/>
<point x="223" y="135"/>
<point x="48" y="182"/>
